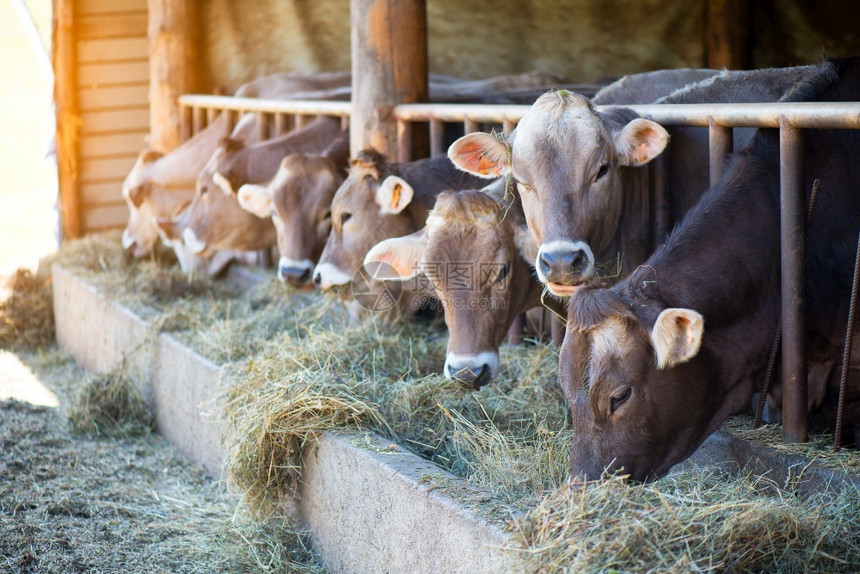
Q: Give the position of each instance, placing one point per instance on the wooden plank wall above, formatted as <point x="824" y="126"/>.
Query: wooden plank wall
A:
<point x="113" y="99"/>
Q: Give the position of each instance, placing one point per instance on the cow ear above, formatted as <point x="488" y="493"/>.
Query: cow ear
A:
<point x="222" y="182"/>
<point x="640" y="141"/>
<point x="398" y="258"/>
<point x="481" y="154"/>
<point x="393" y="195"/>
<point x="256" y="199"/>
<point x="137" y="194"/>
<point x="677" y="336"/>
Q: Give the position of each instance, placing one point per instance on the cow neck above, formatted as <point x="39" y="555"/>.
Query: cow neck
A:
<point x="632" y="240"/>
<point x="723" y="262"/>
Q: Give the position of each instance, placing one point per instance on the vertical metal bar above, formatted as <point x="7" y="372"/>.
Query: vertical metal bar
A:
<point x="437" y="143"/>
<point x="558" y="328"/>
<point x="262" y="132"/>
<point x="232" y="118"/>
<point x="186" y="126"/>
<point x="404" y="141"/>
<point x="515" y="333"/>
<point x="470" y="126"/>
<point x="211" y="114"/>
<point x="199" y="119"/>
<point x="280" y="124"/>
<point x="302" y="121"/>
<point x="720" y="146"/>
<point x="846" y="350"/>
<point x="508" y="126"/>
<point x="344" y="122"/>
<point x="793" y="242"/>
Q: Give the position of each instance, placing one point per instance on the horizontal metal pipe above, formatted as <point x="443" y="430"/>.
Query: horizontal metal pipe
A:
<point x="800" y="115"/>
<point x="301" y="107"/>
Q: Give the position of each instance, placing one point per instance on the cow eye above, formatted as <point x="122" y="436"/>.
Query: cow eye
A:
<point x="344" y="217"/>
<point x="327" y="215"/>
<point x="619" y="399"/>
<point x="604" y="169"/>
<point x="503" y="273"/>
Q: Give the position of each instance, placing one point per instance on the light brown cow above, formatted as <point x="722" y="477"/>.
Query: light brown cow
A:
<point x="298" y="199"/>
<point x="476" y="251"/>
<point x="379" y="200"/>
<point x="216" y="221"/>
<point x="160" y="185"/>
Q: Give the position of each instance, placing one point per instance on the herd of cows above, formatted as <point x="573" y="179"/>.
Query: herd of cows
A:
<point x="666" y="336"/>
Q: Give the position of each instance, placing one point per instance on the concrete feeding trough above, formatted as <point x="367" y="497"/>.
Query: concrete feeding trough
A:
<point x="370" y="505"/>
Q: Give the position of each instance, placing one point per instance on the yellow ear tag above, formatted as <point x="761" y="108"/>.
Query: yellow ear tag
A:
<point x="395" y="196"/>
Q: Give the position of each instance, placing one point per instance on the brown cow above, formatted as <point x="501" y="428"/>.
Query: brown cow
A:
<point x="477" y="253"/>
<point x="379" y="200"/>
<point x="298" y="199"/>
<point x="216" y="221"/>
<point x="580" y="174"/>
<point x="654" y="365"/>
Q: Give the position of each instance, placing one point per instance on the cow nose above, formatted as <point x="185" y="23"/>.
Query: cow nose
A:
<point x="317" y="278"/>
<point x="472" y="377"/>
<point x="563" y="267"/>
<point x="295" y="275"/>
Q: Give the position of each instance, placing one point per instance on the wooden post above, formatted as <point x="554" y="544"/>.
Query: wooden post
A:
<point x="389" y="67"/>
<point x="727" y="34"/>
<point x="172" y="67"/>
<point x="68" y="120"/>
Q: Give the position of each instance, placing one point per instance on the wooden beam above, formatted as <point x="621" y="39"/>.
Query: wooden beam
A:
<point x="173" y="64"/>
<point x="727" y="34"/>
<point x="67" y="118"/>
<point x="389" y="67"/>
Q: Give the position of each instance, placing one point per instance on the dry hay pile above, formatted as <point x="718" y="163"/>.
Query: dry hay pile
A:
<point x="79" y="503"/>
<point x="27" y="312"/>
<point x="309" y="370"/>
<point x="110" y="404"/>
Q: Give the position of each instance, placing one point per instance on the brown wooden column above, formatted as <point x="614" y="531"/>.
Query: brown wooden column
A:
<point x="389" y="67"/>
<point x="172" y="67"/>
<point x="68" y="120"/>
<point x="727" y="34"/>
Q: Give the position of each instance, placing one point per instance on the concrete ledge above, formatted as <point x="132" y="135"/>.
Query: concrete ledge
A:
<point x="371" y="506"/>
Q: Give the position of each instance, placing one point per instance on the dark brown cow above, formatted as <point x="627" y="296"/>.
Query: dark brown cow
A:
<point x="216" y="221"/>
<point x="581" y="179"/>
<point x="477" y="253"/>
<point x="298" y="199"/>
<point x="379" y="200"/>
<point x="654" y="365"/>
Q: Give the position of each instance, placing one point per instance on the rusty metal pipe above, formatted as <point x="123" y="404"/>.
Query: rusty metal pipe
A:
<point x="793" y="243"/>
<point x="719" y="146"/>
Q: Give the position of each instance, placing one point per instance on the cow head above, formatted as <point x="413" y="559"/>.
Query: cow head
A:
<point x="368" y="207"/>
<point x="569" y="163"/>
<point x="469" y="251"/>
<point x="141" y="233"/>
<point x="216" y="221"/>
<point x="643" y="391"/>
<point x="298" y="199"/>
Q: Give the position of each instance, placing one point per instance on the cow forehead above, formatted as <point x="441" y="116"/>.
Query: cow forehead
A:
<point x="576" y="128"/>
<point x="609" y="339"/>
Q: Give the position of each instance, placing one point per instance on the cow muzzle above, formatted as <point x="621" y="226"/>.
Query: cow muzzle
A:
<point x="297" y="273"/>
<point x="473" y="371"/>
<point x="327" y="276"/>
<point x="564" y="265"/>
<point x="190" y="239"/>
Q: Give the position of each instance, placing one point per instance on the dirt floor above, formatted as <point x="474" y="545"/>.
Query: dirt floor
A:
<point x="78" y="503"/>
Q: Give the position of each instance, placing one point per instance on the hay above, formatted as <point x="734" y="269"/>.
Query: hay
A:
<point x="693" y="521"/>
<point x="27" y="314"/>
<point x="819" y="448"/>
<point x="297" y="367"/>
<point x="110" y="405"/>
